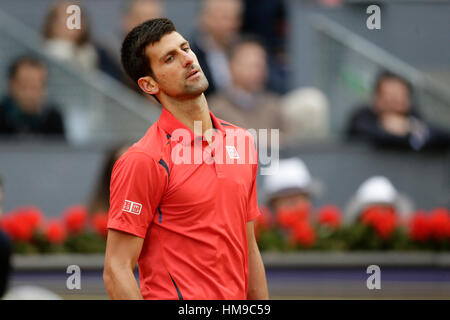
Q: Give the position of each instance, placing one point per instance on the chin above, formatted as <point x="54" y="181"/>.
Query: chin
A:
<point x="198" y="88"/>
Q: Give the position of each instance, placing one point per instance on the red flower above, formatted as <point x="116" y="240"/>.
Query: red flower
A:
<point x="287" y="217"/>
<point x="100" y="222"/>
<point x="302" y="233"/>
<point x="419" y="227"/>
<point x="21" y="224"/>
<point x="55" y="232"/>
<point x="383" y="219"/>
<point x="330" y="216"/>
<point x="439" y="224"/>
<point x="75" y="218"/>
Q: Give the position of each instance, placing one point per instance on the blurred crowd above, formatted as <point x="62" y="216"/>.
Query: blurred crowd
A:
<point x="242" y="47"/>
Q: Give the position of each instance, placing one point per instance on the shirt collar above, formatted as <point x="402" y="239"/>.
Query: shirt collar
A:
<point x="169" y="123"/>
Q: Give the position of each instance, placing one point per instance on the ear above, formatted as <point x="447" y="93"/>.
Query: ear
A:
<point x="148" y="85"/>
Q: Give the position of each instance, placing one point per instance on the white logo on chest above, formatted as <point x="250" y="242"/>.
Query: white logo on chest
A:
<point x="232" y="152"/>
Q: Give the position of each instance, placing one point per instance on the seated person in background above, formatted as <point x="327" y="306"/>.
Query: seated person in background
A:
<point x="305" y="115"/>
<point x="291" y="186"/>
<point x="218" y="24"/>
<point x="24" y="111"/>
<point x="268" y="19"/>
<point x="378" y="191"/>
<point x="391" y="121"/>
<point x="5" y="264"/>
<point x="75" y="46"/>
<point x="247" y="103"/>
<point x="134" y="13"/>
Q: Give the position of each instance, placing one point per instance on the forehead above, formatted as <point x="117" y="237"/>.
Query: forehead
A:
<point x="168" y="42"/>
<point x="393" y="84"/>
<point x="27" y="69"/>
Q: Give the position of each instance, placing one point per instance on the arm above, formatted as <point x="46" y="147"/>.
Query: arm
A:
<point x="122" y="252"/>
<point x="257" y="283"/>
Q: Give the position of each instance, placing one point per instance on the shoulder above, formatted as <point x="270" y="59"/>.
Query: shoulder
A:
<point x="154" y="144"/>
<point x="52" y="111"/>
<point x="363" y="112"/>
<point x="148" y="151"/>
<point x="138" y="165"/>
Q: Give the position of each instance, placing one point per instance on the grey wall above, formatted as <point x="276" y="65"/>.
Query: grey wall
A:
<point x="49" y="176"/>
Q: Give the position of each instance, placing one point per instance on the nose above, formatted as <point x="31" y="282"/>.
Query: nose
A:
<point x="187" y="59"/>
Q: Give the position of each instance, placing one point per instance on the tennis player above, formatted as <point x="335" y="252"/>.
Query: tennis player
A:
<point x="188" y="225"/>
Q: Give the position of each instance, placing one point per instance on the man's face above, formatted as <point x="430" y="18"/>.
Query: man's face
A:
<point x="175" y="67"/>
<point x="27" y="87"/>
<point x="223" y="19"/>
<point x="393" y="97"/>
<point x="248" y="67"/>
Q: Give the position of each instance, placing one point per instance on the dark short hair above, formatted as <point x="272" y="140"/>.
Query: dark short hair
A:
<point x="385" y="75"/>
<point x="134" y="60"/>
<point x="24" y="60"/>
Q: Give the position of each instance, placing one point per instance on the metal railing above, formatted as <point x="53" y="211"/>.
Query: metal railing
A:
<point x="347" y="64"/>
<point x="97" y="109"/>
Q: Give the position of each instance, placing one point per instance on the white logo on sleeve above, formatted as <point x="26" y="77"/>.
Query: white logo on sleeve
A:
<point x="232" y="152"/>
<point x="132" y="207"/>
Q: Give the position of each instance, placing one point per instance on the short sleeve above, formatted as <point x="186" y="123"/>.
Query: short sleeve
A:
<point x="253" y="209"/>
<point x="137" y="185"/>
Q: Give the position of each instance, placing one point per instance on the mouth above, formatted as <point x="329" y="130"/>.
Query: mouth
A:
<point x="193" y="74"/>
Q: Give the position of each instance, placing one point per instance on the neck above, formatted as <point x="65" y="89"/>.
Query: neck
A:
<point x="189" y="110"/>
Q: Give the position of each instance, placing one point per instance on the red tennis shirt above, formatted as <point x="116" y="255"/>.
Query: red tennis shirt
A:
<point x="191" y="214"/>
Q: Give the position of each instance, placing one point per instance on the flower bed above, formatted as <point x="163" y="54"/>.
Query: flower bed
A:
<point x="297" y="228"/>
<point x="378" y="228"/>
<point x="75" y="231"/>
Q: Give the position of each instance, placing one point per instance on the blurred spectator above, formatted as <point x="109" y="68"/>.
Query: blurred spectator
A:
<point x="219" y="23"/>
<point x="5" y="262"/>
<point x="24" y="110"/>
<point x="305" y="115"/>
<point x="75" y="46"/>
<point x="134" y="13"/>
<point x="267" y="19"/>
<point x="139" y="11"/>
<point x="378" y="191"/>
<point x="246" y="103"/>
<point x="391" y="120"/>
<point x="290" y="186"/>
<point x="100" y="199"/>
